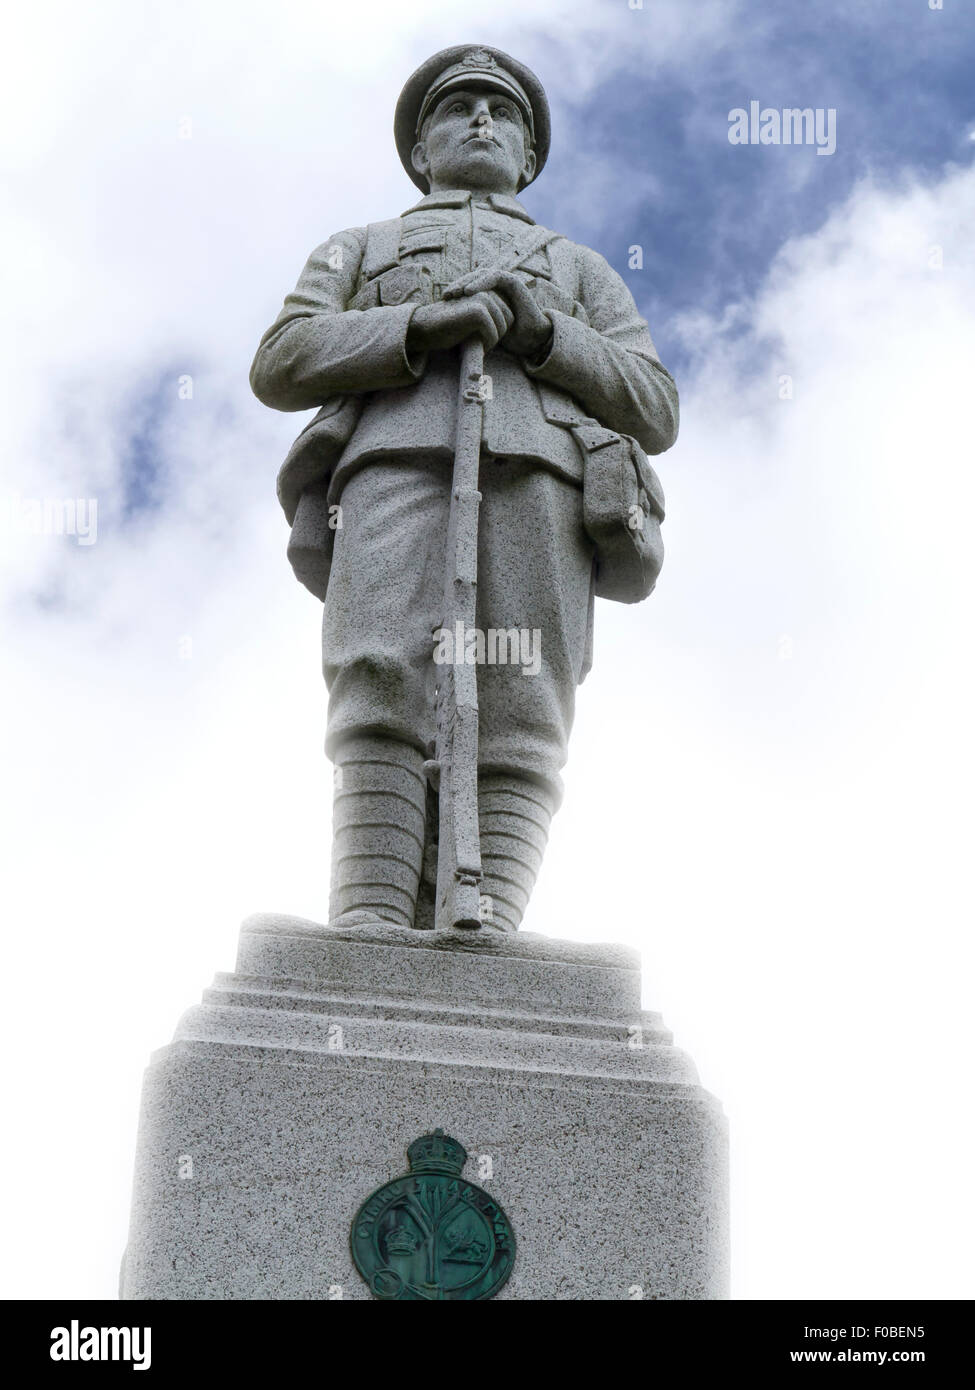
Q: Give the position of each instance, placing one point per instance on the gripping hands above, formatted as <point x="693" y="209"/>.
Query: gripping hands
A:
<point x="491" y="304"/>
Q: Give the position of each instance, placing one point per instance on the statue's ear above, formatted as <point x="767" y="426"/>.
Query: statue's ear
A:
<point x="528" y="173"/>
<point x="419" y="160"/>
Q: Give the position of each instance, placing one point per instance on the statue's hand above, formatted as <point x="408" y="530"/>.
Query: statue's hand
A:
<point x="447" y="323"/>
<point x="531" y="331"/>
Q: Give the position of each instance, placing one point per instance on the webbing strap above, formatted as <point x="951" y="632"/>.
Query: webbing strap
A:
<point x="382" y="247"/>
<point x="383" y="238"/>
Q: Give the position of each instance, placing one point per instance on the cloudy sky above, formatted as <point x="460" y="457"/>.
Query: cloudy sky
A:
<point x="769" y="790"/>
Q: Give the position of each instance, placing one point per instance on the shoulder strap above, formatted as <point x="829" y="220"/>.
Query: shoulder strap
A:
<point x="382" y="248"/>
<point x="538" y="239"/>
<point x="383" y="239"/>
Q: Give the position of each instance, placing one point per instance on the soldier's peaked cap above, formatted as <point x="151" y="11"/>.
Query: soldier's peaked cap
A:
<point x="471" y="65"/>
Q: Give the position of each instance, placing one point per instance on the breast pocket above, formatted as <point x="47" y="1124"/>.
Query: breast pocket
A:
<point x="406" y="284"/>
<point x="424" y="249"/>
<point x="414" y="242"/>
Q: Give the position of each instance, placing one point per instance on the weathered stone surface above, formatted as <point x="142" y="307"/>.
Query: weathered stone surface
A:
<point x="294" y="1089"/>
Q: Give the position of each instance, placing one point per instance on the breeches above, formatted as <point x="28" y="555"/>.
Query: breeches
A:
<point x="385" y="602"/>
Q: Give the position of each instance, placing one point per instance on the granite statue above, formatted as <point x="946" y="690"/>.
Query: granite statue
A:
<point x="476" y="475"/>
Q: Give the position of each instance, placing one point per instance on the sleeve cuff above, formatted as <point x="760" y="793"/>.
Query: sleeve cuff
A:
<point x="571" y="345"/>
<point x="402" y="368"/>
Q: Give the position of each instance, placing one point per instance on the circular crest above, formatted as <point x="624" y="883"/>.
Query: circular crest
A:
<point x="430" y="1235"/>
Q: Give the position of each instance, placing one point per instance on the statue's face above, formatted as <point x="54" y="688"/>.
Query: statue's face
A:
<point x="476" y="140"/>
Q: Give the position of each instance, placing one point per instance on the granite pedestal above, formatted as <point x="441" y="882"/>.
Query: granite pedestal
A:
<point x="294" y="1089"/>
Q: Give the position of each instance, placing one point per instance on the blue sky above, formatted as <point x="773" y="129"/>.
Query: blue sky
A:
<point x="899" y="75"/>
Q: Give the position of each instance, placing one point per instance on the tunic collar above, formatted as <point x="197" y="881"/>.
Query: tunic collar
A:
<point x="459" y="198"/>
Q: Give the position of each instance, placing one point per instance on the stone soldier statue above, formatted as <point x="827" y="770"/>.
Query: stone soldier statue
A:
<point x="571" y="399"/>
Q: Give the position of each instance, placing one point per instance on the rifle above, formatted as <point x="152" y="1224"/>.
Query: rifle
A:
<point x="454" y="766"/>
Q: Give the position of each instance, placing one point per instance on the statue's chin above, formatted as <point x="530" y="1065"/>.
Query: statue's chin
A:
<point x="480" y="167"/>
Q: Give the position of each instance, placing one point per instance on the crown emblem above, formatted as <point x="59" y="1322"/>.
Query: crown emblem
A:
<point x="437" y="1153"/>
<point x="479" y="58"/>
<point x="400" y="1242"/>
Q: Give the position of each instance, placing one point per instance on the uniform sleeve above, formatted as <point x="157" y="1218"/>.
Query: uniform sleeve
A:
<point x="610" y="365"/>
<point x="318" y="348"/>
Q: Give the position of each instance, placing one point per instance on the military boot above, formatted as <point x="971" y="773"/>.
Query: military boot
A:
<point x="514" y="815"/>
<point x="378" y="820"/>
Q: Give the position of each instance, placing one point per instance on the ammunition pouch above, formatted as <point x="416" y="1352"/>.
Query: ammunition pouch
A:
<point x="622" y="508"/>
<point x="303" y="489"/>
<point x="404" y="284"/>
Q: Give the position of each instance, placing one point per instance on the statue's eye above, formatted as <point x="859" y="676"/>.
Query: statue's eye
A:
<point x="457" y="106"/>
<point x="503" y="112"/>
